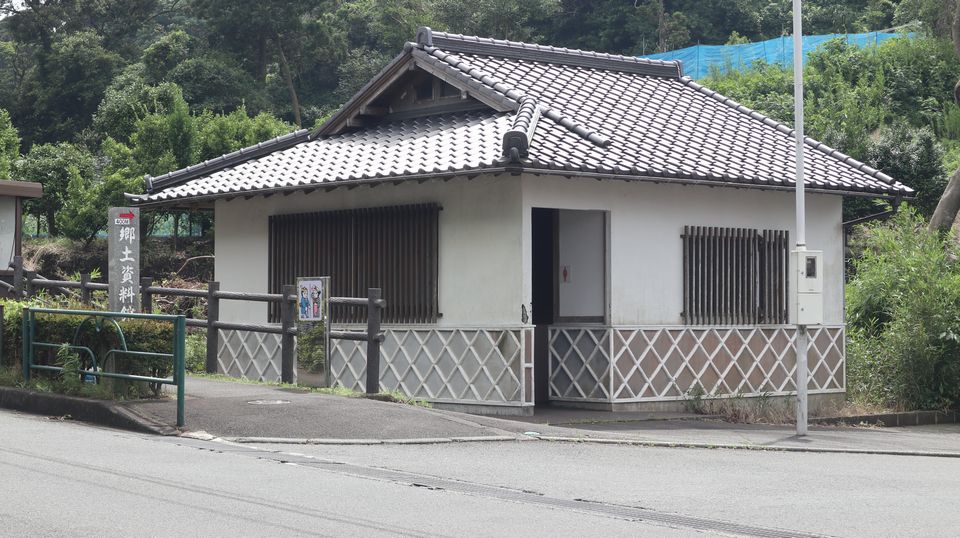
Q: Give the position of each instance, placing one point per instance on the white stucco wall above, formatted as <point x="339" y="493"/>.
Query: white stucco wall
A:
<point x="485" y="250"/>
<point x="8" y="229"/>
<point x="480" y="275"/>
<point x="645" y="223"/>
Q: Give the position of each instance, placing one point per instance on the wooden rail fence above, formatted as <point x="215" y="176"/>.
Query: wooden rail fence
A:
<point x="26" y="282"/>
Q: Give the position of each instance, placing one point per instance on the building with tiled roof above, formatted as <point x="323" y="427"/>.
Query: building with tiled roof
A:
<point x="547" y="225"/>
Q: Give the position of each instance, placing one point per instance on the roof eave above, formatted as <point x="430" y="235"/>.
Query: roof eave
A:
<point x="225" y="161"/>
<point x="512" y="169"/>
<point x="714" y="183"/>
<point x="330" y="185"/>
<point x="20" y="189"/>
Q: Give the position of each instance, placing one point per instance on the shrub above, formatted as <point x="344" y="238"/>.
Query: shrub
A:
<point x="196" y="352"/>
<point x="949" y="125"/>
<point x="310" y="347"/>
<point x="903" y="316"/>
<point x="138" y="334"/>
<point x="915" y="158"/>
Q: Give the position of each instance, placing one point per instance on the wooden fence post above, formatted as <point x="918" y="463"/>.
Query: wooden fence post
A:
<point x="85" y="289"/>
<point x="28" y="277"/>
<point x="18" y="276"/>
<point x="213" y="316"/>
<point x="288" y="319"/>
<point x="146" y="298"/>
<point x="373" y="339"/>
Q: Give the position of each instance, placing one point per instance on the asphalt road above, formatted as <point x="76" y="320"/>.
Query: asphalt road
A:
<point x="66" y="479"/>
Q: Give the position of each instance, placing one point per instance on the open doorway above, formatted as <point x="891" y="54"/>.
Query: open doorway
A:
<point x="543" y="238"/>
<point x="569" y="280"/>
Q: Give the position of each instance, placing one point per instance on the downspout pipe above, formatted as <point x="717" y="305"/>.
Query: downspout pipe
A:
<point x="847" y="226"/>
<point x="883" y="215"/>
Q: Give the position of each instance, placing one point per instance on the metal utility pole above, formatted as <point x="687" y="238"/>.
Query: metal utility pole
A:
<point x="802" y="340"/>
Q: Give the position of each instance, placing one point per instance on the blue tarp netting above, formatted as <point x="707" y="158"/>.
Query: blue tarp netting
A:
<point x="699" y="59"/>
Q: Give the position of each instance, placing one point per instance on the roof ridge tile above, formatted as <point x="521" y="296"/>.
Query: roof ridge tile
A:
<point x="547" y="53"/>
<point x="516" y="141"/>
<point x="512" y="96"/>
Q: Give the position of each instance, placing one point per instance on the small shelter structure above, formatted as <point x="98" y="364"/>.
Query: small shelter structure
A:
<point x="12" y="194"/>
<point x="547" y="225"/>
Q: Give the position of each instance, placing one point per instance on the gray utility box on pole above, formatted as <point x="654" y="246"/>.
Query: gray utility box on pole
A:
<point x="807" y="303"/>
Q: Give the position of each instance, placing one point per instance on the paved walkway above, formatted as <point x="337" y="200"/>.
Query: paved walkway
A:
<point x="236" y="410"/>
<point x="265" y="413"/>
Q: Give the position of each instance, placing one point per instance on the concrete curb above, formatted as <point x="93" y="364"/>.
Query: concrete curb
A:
<point x="735" y="446"/>
<point x="907" y="418"/>
<point x="423" y="441"/>
<point x="104" y="413"/>
<point x="590" y="422"/>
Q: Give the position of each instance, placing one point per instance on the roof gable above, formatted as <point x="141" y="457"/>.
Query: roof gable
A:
<point x="546" y="110"/>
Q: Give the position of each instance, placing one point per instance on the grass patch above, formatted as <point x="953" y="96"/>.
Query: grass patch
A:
<point x="241" y="380"/>
<point x="337" y="391"/>
<point x="760" y="409"/>
<point x="775" y="410"/>
<point x="397" y="397"/>
<point x="10" y="377"/>
<point x="67" y="383"/>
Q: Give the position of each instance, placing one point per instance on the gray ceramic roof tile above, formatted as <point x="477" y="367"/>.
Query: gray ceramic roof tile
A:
<point x="622" y="118"/>
<point x="446" y="143"/>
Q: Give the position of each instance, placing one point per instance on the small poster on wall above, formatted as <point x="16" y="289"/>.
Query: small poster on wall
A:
<point x="310" y="295"/>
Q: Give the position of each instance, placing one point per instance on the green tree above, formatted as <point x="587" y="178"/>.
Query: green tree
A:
<point x="84" y="212"/>
<point x="36" y="21"/>
<point x="165" y="142"/>
<point x="14" y="62"/>
<point x="226" y="133"/>
<point x="914" y="157"/>
<point x="359" y="66"/>
<point x="259" y="32"/>
<point x="128" y="99"/>
<point x="163" y="55"/>
<point x="54" y="166"/>
<point x="62" y="93"/>
<point x="503" y="19"/>
<point x="9" y="145"/>
<point x="213" y="81"/>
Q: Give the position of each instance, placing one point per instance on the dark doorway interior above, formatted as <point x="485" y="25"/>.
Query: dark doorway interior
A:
<point x="544" y="240"/>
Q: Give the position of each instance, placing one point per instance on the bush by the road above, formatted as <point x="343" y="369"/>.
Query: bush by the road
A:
<point x="903" y="316"/>
<point x="137" y="334"/>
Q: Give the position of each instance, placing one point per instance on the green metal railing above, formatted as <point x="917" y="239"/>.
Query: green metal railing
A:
<point x="29" y="331"/>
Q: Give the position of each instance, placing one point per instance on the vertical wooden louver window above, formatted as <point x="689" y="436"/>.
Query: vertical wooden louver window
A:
<point x="393" y="248"/>
<point x="734" y="276"/>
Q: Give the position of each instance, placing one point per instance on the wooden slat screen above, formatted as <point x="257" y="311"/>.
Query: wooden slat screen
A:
<point x="735" y="276"/>
<point x="394" y="248"/>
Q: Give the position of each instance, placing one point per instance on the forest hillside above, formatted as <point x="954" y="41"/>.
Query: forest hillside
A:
<point x="96" y="93"/>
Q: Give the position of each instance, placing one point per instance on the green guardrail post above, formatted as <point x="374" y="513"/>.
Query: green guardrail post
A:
<point x="25" y="341"/>
<point x="179" y="354"/>
<point x="179" y="364"/>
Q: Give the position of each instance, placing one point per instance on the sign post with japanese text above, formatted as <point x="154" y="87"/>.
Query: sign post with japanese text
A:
<point x="123" y="231"/>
